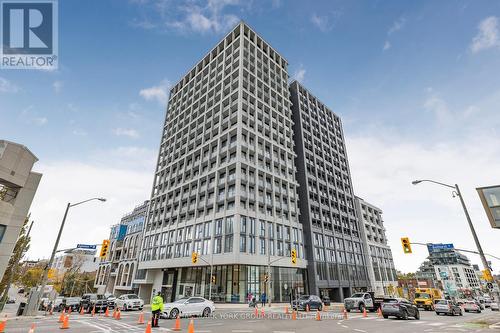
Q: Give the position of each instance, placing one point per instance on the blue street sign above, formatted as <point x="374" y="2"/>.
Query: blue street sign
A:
<point x="86" y="246"/>
<point x="432" y="247"/>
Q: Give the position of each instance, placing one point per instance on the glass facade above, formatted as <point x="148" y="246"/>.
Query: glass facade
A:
<point x="233" y="283"/>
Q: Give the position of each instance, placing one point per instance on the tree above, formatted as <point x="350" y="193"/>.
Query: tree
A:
<point x="20" y="249"/>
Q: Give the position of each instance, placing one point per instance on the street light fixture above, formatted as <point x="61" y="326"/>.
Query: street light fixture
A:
<point x="45" y="275"/>
<point x="456" y="191"/>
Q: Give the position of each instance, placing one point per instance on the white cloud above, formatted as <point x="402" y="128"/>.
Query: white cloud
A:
<point x="299" y="74"/>
<point x="129" y="132"/>
<point x="322" y="22"/>
<point x="487" y="37"/>
<point x="439" y="108"/>
<point x="382" y="170"/>
<point x="80" y="132"/>
<point x="7" y="87"/>
<point x="387" y="45"/>
<point x="30" y="116"/>
<point x="40" y="121"/>
<point x="397" y="25"/>
<point x="63" y="181"/>
<point x="158" y="93"/>
<point x="57" y="85"/>
<point x="211" y="16"/>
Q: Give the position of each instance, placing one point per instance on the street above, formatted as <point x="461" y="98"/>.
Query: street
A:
<point x="275" y="321"/>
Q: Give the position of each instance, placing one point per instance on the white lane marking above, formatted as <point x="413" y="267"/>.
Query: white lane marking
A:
<point x="242" y="331"/>
<point x="102" y="329"/>
<point x="215" y="324"/>
<point x="283" y="331"/>
<point x="358" y="330"/>
<point x="436" y="324"/>
<point x="345" y="326"/>
<point x="417" y="322"/>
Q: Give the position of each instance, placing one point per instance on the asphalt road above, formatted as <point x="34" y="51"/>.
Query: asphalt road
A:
<point x="244" y="321"/>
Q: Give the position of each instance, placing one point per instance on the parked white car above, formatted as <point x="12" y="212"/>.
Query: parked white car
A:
<point x="129" y="302"/>
<point x="191" y="306"/>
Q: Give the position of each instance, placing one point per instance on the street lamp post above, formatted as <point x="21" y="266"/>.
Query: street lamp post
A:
<point x="466" y="212"/>
<point x="45" y="275"/>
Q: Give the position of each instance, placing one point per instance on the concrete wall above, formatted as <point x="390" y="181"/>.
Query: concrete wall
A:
<point x="18" y="186"/>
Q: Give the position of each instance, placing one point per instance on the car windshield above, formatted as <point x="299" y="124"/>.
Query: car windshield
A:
<point x="422" y="295"/>
<point x="390" y="300"/>
<point x="304" y="298"/>
<point x="442" y="302"/>
<point x="182" y="300"/>
<point x="357" y="295"/>
<point x="132" y="296"/>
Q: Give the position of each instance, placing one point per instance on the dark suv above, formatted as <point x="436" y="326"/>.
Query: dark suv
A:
<point x="400" y="308"/>
<point x="88" y="302"/>
<point x="303" y="301"/>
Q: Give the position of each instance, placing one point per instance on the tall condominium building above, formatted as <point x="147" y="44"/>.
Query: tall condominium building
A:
<point x="18" y="185"/>
<point x="117" y="270"/>
<point x="381" y="271"/>
<point x="334" y="247"/>
<point x="225" y="184"/>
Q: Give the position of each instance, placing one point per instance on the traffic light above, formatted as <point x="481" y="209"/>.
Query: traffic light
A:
<point x="104" y="248"/>
<point x="405" y="241"/>
<point x="294" y="256"/>
<point x="213" y="279"/>
<point x="194" y="257"/>
<point x="266" y="278"/>
<point x="487" y="275"/>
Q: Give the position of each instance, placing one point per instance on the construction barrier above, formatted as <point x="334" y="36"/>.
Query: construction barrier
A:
<point x="191" y="326"/>
<point x="140" y="321"/>
<point x="65" y="323"/>
<point x="177" y="326"/>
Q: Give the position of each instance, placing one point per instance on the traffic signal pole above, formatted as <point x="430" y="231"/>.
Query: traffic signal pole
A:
<point x="469" y="221"/>
<point x="33" y="310"/>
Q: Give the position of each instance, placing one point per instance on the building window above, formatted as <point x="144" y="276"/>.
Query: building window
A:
<point x="228" y="244"/>
<point x="3" y="227"/>
<point x="243" y="243"/>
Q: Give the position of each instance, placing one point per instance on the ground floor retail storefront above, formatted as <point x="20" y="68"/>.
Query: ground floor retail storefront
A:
<point x="233" y="283"/>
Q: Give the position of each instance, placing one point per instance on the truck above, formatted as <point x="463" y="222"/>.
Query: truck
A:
<point x="425" y="297"/>
<point x="363" y="300"/>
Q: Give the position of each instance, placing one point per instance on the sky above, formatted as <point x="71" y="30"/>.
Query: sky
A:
<point x="416" y="84"/>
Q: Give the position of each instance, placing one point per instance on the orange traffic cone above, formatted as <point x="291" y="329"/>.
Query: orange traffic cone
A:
<point x="93" y="311"/>
<point x="106" y="313"/>
<point x="82" y="312"/>
<point x="65" y="323"/>
<point x="148" y="327"/>
<point x="294" y="315"/>
<point x="118" y="315"/>
<point x="177" y="326"/>
<point x="318" y="315"/>
<point x="345" y="314"/>
<point x="114" y="313"/>
<point x="364" y="313"/>
<point x="3" y="323"/>
<point x="191" y="326"/>
<point x="256" y="312"/>
<point x="379" y="312"/>
<point x="32" y="329"/>
<point x="286" y="309"/>
<point x="307" y="308"/>
<point x="61" y="317"/>
<point x="69" y="310"/>
<point x="141" y="318"/>
<point x="262" y="313"/>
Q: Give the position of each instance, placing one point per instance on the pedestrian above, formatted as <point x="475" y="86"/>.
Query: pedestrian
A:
<point x="263" y="299"/>
<point x="156" y="308"/>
